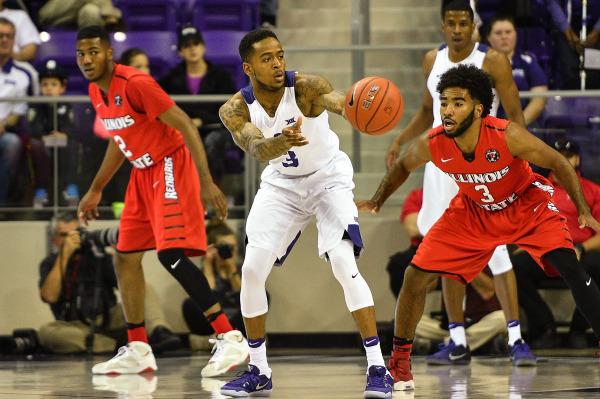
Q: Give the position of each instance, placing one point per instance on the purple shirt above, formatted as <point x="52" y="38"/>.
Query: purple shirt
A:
<point x="558" y="13"/>
<point x="193" y="83"/>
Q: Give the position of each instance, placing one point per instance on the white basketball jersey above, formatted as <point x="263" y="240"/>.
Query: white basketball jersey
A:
<point x="438" y="188"/>
<point x="322" y="145"/>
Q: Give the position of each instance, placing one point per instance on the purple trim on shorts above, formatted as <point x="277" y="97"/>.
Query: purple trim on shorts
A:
<point x="279" y="261"/>
<point x="353" y="233"/>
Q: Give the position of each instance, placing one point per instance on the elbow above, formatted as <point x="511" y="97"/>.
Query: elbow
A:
<point x="48" y="297"/>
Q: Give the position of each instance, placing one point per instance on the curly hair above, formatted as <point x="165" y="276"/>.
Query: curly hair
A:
<point x="475" y="80"/>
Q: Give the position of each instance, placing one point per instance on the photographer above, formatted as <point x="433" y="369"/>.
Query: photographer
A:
<point x="78" y="283"/>
<point x="221" y="267"/>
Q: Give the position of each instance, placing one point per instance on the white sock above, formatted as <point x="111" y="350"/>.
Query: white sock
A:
<point x="514" y="331"/>
<point x="373" y="350"/>
<point x="457" y="333"/>
<point x="258" y="356"/>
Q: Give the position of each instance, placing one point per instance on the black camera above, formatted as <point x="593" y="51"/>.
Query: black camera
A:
<point x="22" y="341"/>
<point x="225" y="251"/>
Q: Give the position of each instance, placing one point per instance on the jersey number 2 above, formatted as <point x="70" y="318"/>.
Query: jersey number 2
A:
<point x="122" y="146"/>
<point x="487" y="197"/>
<point x="292" y="160"/>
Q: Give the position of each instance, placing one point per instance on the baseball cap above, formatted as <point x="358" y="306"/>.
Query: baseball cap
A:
<point x="566" y="145"/>
<point x="52" y="70"/>
<point x="188" y="34"/>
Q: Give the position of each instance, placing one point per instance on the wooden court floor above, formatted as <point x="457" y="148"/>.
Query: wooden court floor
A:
<point x="304" y="376"/>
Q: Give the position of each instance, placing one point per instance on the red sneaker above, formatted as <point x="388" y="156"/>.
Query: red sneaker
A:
<point x="399" y="366"/>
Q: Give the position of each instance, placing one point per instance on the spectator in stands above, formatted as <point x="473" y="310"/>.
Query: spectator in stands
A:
<point x="527" y="72"/>
<point x="221" y="266"/>
<point x="568" y="44"/>
<point x="15" y="82"/>
<point x="541" y="326"/>
<point x="53" y="82"/>
<point x="27" y="37"/>
<point x="195" y="75"/>
<point x="80" y="13"/>
<point x="136" y="58"/>
<point x="484" y="319"/>
<point x="67" y="282"/>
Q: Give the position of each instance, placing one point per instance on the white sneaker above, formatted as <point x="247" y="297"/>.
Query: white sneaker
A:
<point x="136" y="357"/>
<point x="229" y="351"/>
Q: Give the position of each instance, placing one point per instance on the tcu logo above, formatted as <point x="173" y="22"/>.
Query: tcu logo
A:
<point x="370" y="96"/>
<point x="492" y="155"/>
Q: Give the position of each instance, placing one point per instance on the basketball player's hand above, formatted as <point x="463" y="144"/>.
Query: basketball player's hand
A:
<point x="211" y="194"/>
<point x="293" y="135"/>
<point x="88" y="207"/>
<point x="368" y="206"/>
<point x="392" y="154"/>
<point x="587" y="220"/>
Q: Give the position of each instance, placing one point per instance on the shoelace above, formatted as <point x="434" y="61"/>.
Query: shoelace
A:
<point x="376" y="379"/>
<point x="217" y="350"/>
<point x="122" y="351"/>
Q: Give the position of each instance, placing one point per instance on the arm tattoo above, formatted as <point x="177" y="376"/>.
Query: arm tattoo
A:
<point x="316" y="93"/>
<point x="235" y="117"/>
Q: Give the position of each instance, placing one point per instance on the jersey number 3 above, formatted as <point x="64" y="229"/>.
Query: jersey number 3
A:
<point x="485" y="192"/>
<point x="292" y="159"/>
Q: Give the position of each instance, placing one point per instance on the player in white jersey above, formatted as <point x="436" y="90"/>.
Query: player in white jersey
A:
<point x="439" y="189"/>
<point x="281" y="118"/>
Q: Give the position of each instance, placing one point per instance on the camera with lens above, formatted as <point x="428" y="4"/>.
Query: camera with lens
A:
<point x="22" y="341"/>
<point x="225" y="251"/>
<point x="99" y="238"/>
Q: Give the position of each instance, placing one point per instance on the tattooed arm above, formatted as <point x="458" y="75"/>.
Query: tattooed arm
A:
<point x="315" y="94"/>
<point x="236" y="118"/>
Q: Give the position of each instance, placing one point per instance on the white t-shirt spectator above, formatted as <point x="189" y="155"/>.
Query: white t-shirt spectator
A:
<point x="26" y="32"/>
<point x="15" y="81"/>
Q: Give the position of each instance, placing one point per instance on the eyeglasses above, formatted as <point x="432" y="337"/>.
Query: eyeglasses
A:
<point x="7" y="36"/>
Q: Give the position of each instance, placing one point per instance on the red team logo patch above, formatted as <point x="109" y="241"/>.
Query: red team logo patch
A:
<point x="492" y="155"/>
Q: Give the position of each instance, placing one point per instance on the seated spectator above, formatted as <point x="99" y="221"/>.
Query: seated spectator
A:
<point x="221" y="267"/>
<point x="195" y="75"/>
<point x="16" y="82"/>
<point x="566" y="17"/>
<point x="82" y="13"/>
<point x="527" y="72"/>
<point x="137" y="58"/>
<point x="53" y="82"/>
<point x="68" y="280"/>
<point x="27" y="37"/>
<point x="484" y="319"/>
<point x="540" y="321"/>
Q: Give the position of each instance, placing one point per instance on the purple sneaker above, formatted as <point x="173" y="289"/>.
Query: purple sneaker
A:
<point x="379" y="383"/>
<point x="521" y="355"/>
<point x="249" y="383"/>
<point x="450" y="354"/>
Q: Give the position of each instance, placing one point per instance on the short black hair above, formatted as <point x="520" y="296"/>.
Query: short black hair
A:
<point x="457" y="5"/>
<point x="475" y="80"/>
<point x="498" y="18"/>
<point x="92" y="32"/>
<point x="252" y="37"/>
<point x="129" y="54"/>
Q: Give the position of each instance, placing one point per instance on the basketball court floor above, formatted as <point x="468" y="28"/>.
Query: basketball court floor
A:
<point x="306" y="377"/>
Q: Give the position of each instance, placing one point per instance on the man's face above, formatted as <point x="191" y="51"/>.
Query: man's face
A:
<point x="93" y="58"/>
<point x="503" y="37"/>
<point x="266" y="64"/>
<point x="7" y="40"/>
<point x="457" y="28"/>
<point x="192" y="51"/>
<point x="457" y="110"/>
<point x="61" y="231"/>
<point x="52" y="87"/>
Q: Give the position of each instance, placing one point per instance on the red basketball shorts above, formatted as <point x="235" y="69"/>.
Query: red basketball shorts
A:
<point x="163" y="208"/>
<point x="462" y="241"/>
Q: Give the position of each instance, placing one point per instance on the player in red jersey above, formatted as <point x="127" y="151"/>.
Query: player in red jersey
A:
<point x="500" y="201"/>
<point x="162" y="204"/>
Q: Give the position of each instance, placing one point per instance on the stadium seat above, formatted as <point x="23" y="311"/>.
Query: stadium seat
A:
<point x="148" y="15"/>
<point x="240" y="15"/>
<point x="222" y="49"/>
<point x="160" y="46"/>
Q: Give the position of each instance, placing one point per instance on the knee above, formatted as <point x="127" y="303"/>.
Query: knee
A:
<point x="251" y="273"/>
<point x="416" y="280"/>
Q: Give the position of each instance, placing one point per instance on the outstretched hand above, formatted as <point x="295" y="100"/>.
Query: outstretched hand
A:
<point x="293" y="135"/>
<point x="88" y="207"/>
<point x="368" y="206"/>
<point x="587" y="220"/>
<point x="212" y="194"/>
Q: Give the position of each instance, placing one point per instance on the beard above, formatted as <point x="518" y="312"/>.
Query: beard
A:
<point x="464" y="125"/>
<point x="266" y="87"/>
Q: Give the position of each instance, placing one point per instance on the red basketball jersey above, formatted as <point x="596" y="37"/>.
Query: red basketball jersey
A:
<point x="129" y="111"/>
<point x="494" y="178"/>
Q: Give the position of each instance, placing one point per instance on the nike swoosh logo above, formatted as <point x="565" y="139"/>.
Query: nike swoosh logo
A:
<point x="329" y="188"/>
<point x="588" y="282"/>
<point x="174" y="265"/>
<point x="536" y="208"/>
<point x="261" y="386"/>
<point x="454" y="357"/>
<point x="447" y="160"/>
<point x="155" y="184"/>
<point x="355" y="275"/>
<point x="351" y="102"/>
<point x="370" y="342"/>
<point x="98" y="105"/>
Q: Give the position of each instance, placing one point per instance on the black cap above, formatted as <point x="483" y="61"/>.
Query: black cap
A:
<point x="566" y="146"/>
<point x="188" y="33"/>
<point x="53" y="70"/>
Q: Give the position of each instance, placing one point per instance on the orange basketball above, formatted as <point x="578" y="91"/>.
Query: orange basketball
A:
<point x="374" y="105"/>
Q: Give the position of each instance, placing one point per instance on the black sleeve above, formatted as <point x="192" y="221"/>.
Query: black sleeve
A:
<point x="66" y="120"/>
<point x="45" y="267"/>
<point x="37" y="121"/>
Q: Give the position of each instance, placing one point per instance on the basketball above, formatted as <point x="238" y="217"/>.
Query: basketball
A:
<point x="374" y="105"/>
